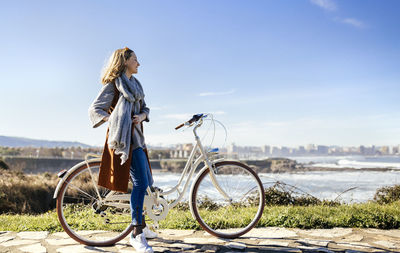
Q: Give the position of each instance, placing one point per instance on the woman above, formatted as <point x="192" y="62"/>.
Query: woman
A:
<point x="121" y="103"/>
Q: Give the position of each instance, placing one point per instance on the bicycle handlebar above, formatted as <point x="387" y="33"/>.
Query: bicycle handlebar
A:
<point x="195" y="118"/>
<point x="181" y="125"/>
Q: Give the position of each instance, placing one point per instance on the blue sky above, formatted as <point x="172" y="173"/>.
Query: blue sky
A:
<point x="274" y="72"/>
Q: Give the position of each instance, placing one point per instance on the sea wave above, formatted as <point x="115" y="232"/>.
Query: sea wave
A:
<point x="345" y="163"/>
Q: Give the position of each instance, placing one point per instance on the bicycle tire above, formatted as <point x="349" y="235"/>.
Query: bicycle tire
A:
<point x="213" y="213"/>
<point x="88" y="210"/>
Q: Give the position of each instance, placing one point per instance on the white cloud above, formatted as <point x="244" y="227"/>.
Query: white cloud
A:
<point x="325" y="4"/>
<point x="351" y="21"/>
<point x="203" y="94"/>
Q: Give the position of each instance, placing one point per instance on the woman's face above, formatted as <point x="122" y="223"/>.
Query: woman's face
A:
<point x="132" y="63"/>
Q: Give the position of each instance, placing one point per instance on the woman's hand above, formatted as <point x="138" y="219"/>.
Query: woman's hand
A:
<point x="138" y="118"/>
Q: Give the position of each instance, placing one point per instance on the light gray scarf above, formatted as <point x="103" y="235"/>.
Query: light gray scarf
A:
<point x="120" y="121"/>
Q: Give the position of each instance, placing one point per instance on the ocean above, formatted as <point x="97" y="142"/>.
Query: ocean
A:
<point x="325" y="184"/>
<point x="354" y="161"/>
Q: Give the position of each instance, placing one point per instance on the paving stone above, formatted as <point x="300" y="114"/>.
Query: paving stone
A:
<point x="34" y="248"/>
<point x="120" y="245"/>
<point x="391" y="232"/>
<point x="61" y="242"/>
<point x="323" y="243"/>
<point x="160" y="249"/>
<point x="315" y="249"/>
<point x="33" y="235"/>
<point x="353" y="238"/>
<point x="369" y="250"/>
<point x="281" y="249"/>
<point x="17" y="242"/>
<point x="210" y="248"/>
<point x="90" y="232"/>
<point x="81" y="249"/>
<point x="274" y="243"/>
<point x="236" y="245"/>
<point x="328" y="233"/>
<point x="4" y="233"/>
<point x="61" y="235"/>
<point x="386" y="244"/>
<point x="202" y="240"/>
<point x="6" y="238"/>
<point x="229" y="230"/>
<point x="272" y="232"/>
<point x="361" y="245"/>
<point x="126" y="240"/>
<point x="176" y="232"/>
<point x="127" y="250"/>
<point x="182" y="246"/>
<point x="153" y="243"/>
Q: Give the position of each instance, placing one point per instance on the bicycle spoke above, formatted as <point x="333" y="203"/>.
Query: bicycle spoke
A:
<point x="214" y="212"/>
<point x="82" y="215"/>
<point x="83" y="192"/>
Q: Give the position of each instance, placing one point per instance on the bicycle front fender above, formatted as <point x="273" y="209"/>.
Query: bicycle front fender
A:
<point x="195" y="180"/>
<point x="192" y="187"/>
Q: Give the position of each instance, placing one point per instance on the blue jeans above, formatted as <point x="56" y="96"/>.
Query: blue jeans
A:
<point x="141" y="179"/>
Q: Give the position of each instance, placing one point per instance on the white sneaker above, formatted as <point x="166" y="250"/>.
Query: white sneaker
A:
<point x="149" y="234"/>
<point x="140" y="244"/>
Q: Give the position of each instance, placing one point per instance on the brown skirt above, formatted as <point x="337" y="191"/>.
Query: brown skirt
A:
<point x="113" y="175"/>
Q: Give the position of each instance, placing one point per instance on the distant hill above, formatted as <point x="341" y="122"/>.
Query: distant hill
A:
<point x="10" y="141"/>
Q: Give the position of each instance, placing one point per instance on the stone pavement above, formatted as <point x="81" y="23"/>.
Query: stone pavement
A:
<point x="270" y="239"/>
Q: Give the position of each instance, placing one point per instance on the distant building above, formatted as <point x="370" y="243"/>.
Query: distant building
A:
<point x="311" y="148"/>
<point x="322" y="150"/>
<point x="384" y="150"/>
<point x="181" y="150"/>
<point x="266" y="150"/>
<point x="276" y="151"/>
<point x="285" y="151"/>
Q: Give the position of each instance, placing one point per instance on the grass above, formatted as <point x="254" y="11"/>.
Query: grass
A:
<point x="365" y="215"/>
<point x="25" y="201"/>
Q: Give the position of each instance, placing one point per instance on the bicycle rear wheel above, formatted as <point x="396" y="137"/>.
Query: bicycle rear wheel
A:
<point x="233" y="217"/>
<point x="84" y="214"/>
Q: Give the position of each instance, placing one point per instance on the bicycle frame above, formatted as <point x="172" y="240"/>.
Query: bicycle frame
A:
<point x="115" y="200"/>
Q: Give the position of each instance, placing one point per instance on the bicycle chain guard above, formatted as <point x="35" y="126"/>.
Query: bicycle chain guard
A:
<point x="156" y="208"/>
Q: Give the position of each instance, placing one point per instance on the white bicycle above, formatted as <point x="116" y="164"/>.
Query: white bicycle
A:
<point x="226" y="198"/>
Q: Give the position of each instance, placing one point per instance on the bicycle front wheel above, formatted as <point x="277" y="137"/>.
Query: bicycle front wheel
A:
<point x="237" y="212"/>
<point x="87" y="212"/>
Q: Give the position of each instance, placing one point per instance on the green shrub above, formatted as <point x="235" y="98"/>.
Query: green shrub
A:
<point x="279" y="194"/>
<point x="387" y="194"/>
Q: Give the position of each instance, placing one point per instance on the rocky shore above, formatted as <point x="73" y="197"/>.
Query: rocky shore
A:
<point x="270" y="165"/>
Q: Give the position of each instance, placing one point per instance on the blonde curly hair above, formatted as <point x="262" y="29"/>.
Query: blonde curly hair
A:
<point x="115" y="65"/>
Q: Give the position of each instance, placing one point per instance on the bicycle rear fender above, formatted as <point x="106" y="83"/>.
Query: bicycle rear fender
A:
<point x="66" y="175"/>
